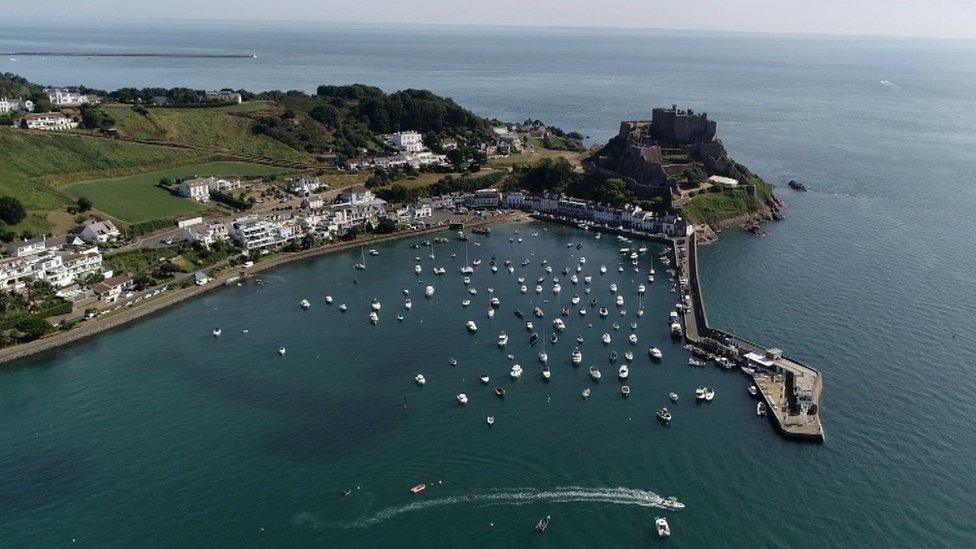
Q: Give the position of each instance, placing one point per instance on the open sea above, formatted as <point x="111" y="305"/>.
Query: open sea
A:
<point x="158" y="434"/>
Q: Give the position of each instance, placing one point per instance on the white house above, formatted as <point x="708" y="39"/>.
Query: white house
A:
<point x="14" y="272"/>
<point x="99" y="231"/>
<point x="406" y="141"/>
<point x="313" y="202"/>
<point x="198" y="189"/>
<point x="46" y="121"/>
<point x="80" y="264"/>
<point x="207" y="234"/>
<point x="515" y="200"/>
<point x="420" y="210"/>
<point x="484" y="198"/>
<point x="217" y="184"/>
<point x="15" y="105"/>
<point x="224" y="96"/>
<point x="27" y="247"/>
<point x="65" y="98"/>
<point x="304" y="185"/>
<point x="357" y="195"/>
<point x="111" y="288"/>
<point x="252" y="233"/>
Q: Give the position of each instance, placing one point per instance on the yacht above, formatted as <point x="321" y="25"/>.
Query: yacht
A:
<point x="373" y="317"/>
<point x="623" y="372"/>
<point x="586" y="393"/>
<point x="485" y="379"/>
<point x="343" y="307"/>
<point x="709" y="394"/>
<point x="502" y="339"/>
<point x="216" y="332"/>
<point x="420" y="379"/>
<point x="632" y="338"/>
<point x="556" y="288"/>
<point x="546" y="373"/>
<point x="619" y="301"/>
<point x="462" y="399"/>
<point x="281" y="351"/>
<point x="760" y="408"/>
<point x="559" y="325"/>
<point x="538" y="312"/>
<point x="328" y="300"/>
<point x="604" y="312"/>
<point x="672" y="502"/>
<point x="407" y="304"/>
<point x="664" y="415"/>
<point x="575" y="299"/>
<point x="523" y="289"/>
<point x="673" y="397"/>
<point x="625" y="390"/>
<point x="516" y="371"/>
<point x="361" y="266"/>
<point x="538" y="289"/>
<point x="613" y="287"/>
<point x="305" y="304"/>
<point x="595" y="373"/>
<point x="490" y="420"/>
<point x="495" y="302"/>
<point x="695" y="362"/>
<point x="472" y="327"/>
<point x="628" y="356"/>
<point x="375" y="305"/>
<point x="577" y="357"/>
<point x="606" y="338"/>
<point x="429" y="291"/>
<point x="700" y="393"/>
<point x="641" y="289"/>
<point x="528" y="326"/>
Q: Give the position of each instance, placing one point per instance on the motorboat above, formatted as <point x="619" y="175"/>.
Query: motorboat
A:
<point x="559" y="325"/>
<point x="604" y="312"/>
<point x="408" y="304"/>
<point x="603" y="269"/>
<point x="429" y="291"/>
<point x="494" y="268"/>
<point x="282" y="351"/>
<point x="632" y="338"/>
<point x="472" y="327"/>
<point x="575" y="299"/>
<point x="613" y="287"/>
<point x="623" y="372"/>
<point x="523" y="289"/>
<point x="673" y="397"/>
<point x="641" y="289"/>
<point x="417" y="269"/>
<point x="343" y="307"/>
<point x="305" y="304"/>
<point x="760" y="408"/>
<point x="613" y="356"/>
<point x="528" y="325"/>
<point x="576" y="357"/>
<point x="587" y="279"/>
<point x="628" y="356"/>
<point x="374" y="318"/>
<point x="542" y="523"/>
<point x="534" y="338"/>
<point x="696" y="363"/>
<point x="664" y="415"/>
<point x="538" y="312"/>
<point x="484" y="379"/>
<point x="400" y="318"/>
<point x="216" y="332"/>
<point x="752" y="390"/>
<point x="418" y="488"/>
<point x="709" y="394"/>
<point x="620" y="268"/>
<point x="619" y="301"/>
<point x="553" y="338"/>
<point x="473" y="291"/>
<point x="375" y="305"/>
<point x="606" y="338"/>
<point x="538" y="289"/>
<point x="595" y="373"/>
<point x="466" y="280"/>
<point x="500" y="392"/>
<point x="495" y="302"/>
<point x="420" y="379"/>
<point x="502" y="339"/>
<point x="625" y="390"/>
<point x="672" y="503"/>
<point x="579" y="339"/>
<point x="556" y="288"/>
<point x="700" y="393"/>
<point x="328" y="300"/>
<point x="490" y="420"/>
<point x="543" y="357"/>
<point x="462" y="399"/>
<point x="676" y="330"/>
<point x="585" y="393"/>
<point x="546" y="373"/>
<point x="516" y="371"/>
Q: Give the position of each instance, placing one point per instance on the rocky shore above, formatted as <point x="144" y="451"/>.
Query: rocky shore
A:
<point x="772" y="210"/>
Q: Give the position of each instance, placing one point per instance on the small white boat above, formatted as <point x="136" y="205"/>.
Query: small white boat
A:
<point x="328" y="300"/>
<point x="343" y="308"/>
<point x="556" y="288"/>
<point x="374" y="252"/>
<point x="462" y="399"/>
<point x="538" y="289"/>
<point x="502" y="339"/>
<point x="595" y="373"/>
<point x="606" y="338"/>
<point x="374" y="318"/>
<point x="484" y="379"/>
<point x="282" y="351"/>
<point x="495" y="302"/>
<point x="559" y="325"/>
<point x="490" y="420"/>
<point x="673" y="397"/>
<point x="700" y="393"/>
<point x="760" y="408"/>
<point x="752" y="390"/>
<point x="516" y="371"/>
<point x="429" y="291"/>
<point x="604" y="312"/>
<point x="407" y="304"/>
<point x="420" y="379"/>
<point x="466" y="302"/>
<point x="603" y="269"/>
<point x="417" y="269"/>
<point x="375" y="305"/>
<point x="655" y="353"/>
<point x="546" y="373"/>
<point x="632" y="338"/>
<point x="305" y="304"/>
<point x="587" y="279"/>
<point x="576" y="357"/>
<point x="472" y="327"/>
<point x="619" y="301"/>
<point x="613" y="288"/>
<point x="523" y="289"/>
<point x="641" y="289"/>
<point x="473" y="291"/>
<point x="575" y="299"/>
<point x="452" y="361"/>
<point x="625" y="390"/>
<point x="494" y="269"/>
<point x="586" y="393"/>
<point x="466" y="280"/>
<point x="623" y="372"/>
<point x="628" y="356"/>
<point x="400" y="318"/>
<point x="709" y="394"/>
<point x="491" y="312"/>
<point x="216" y="332"/>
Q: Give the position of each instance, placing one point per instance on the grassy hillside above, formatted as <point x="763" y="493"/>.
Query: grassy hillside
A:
<point x="136" y="198"/>
<point x="219" y="129"/>
<point x="710" y="207"/>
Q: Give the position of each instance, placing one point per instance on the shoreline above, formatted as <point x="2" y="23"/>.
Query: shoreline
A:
<point x="94" y="327"/>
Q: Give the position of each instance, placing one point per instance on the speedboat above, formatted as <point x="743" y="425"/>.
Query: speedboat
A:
<point x="752" y="390"/>
<point x="472" y="327"/>
<point x="502" y="339"/>
<point x="407" y="304"/>
<point x="305" y="304"/>
<point x="328" y="300"/>
<point x="672" y="502"/>
<point x="373" y="317"/>
<point x="586" y="393"/>
<point x="516" y="371"/>
<point x="603" y="269"/>
<point x="655" y="353"/>
<point x="546" y="373"/>
<point x="625" y="390"/>
<point x="418" y="488"/>
<point x="623" y="372"/>
<point x="632" y="338"/>
<point x="577" y="357"/>
<point x="595" y="373"/>
<point x="673" y="397"/>
<point x="216" y="332"/>
<point x="606" y="338"/>
<point x="664" y="415"/>
<point x="559" y="325"/>
<point x="582" y="312"/>
<point x="485" y="379"/>
<point x="281" y="351"/>
<point x="462" y="399"/>
<point x="500" y="392"/>
<point x="420" y="379"/>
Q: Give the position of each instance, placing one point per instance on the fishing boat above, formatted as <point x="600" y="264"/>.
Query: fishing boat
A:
<point x="472" y="327"/>
<point x="216" y="332"/>
<point x="420" y="379"/>
<point x="502" y="339"/>
<point x="663" y="530"/>
<point x="664" y="415"/>
<point x="516" y="371"/>
<point x="304" y="304"/>
<point x="462" y="399"/>
<point x="418" y="488"/>
<point x="623" y="372"/>
<point x="500" y="392"/>
<point x="625" y="390"/>
<point x="374" y="318"/>
<point x="595" y="373"/>
<point x="577" y="357"/>
<point x="673" y="397"/>
<point x="606" y="338"/>
<point x="484" y="379"/>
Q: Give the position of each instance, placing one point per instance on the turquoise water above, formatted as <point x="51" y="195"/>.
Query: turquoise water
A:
<point x="156" y="433"/>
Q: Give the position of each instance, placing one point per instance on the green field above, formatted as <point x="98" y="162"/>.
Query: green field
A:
<point x="218" y="129"/>
<point x="136" y="198"/>
<point x="709" y="207"/>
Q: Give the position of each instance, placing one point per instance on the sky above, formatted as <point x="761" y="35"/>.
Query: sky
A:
<point x="924" y="18"/>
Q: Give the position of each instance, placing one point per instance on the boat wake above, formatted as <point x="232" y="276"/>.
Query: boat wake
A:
<point x="521" y="496"/>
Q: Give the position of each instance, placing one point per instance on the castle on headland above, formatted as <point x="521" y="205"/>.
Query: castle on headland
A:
<point x="654" y="155"/>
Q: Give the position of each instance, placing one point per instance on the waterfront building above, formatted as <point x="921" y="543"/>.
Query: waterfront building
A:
<point x="515" y="200"/>
<point x="110" y="289"/>
<point x="252" y="233"/>
<point x="420" y="210"/>
<point x="50" y="121"/>
<point x="206" y="234"/>
<point x="483" y="199"/>
<point x="99" y="232"/>
<point x="357" y="195"/>
<point x="197" y="189"/>
<point x="14" y="273"/>
<point x="221" y="185"/>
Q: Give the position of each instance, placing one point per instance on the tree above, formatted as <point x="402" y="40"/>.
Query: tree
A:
<point x="84" y="204"/>
<point x="385" y="226"/>
<point x="32" y="327"/>
<point x="12" y="210"/>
